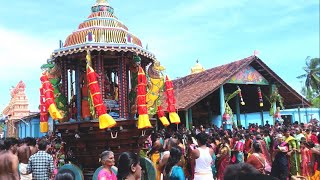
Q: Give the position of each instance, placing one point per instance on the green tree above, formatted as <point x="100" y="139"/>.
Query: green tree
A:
<point x="307" y="93"/>
<point x="312" y="75"/>
<point x="316" y="102"/>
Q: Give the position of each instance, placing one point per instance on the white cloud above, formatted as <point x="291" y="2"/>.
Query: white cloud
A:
<point x="22" y="54"/>
<point x="21" y="57"/>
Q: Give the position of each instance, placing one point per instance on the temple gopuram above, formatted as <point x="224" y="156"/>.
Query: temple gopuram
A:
<point x="17" y="108"/>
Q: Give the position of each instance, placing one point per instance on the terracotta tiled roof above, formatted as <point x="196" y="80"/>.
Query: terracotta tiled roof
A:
<point x="193" y="88"/>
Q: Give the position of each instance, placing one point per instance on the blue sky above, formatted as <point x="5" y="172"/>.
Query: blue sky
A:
<point x="216" y="32"/>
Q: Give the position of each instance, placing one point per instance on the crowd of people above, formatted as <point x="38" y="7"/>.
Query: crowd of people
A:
<point x="25" y="159"/>
<point x="32" y="159"/>
<point x="275" y="152"/>
<point x="258" y="152"/>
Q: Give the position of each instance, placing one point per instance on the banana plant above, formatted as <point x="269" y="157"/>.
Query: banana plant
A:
<point x="227" y="107"/>
<point x="273" y="99"/>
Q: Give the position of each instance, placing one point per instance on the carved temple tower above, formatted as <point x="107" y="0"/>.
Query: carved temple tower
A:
<point x="17" y="108"/>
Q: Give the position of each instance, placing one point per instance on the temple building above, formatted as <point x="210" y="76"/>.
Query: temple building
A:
<point x="242" y="92"/>
<point x="29" y="126"/>
<point x="17" y="108"/>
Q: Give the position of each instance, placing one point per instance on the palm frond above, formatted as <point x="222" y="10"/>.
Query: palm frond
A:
<point x="302" y="76"/>
<point x="314" y="63"/>
<point x="229" y="97"/>
<point x="266" y="97"/>
<point x="315" y="78"/>
<point x="307" y="60"/>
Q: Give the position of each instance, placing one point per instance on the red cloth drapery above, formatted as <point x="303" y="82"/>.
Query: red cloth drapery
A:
<point x="162" y="116"/>
<point x="47" y="93"/>
<point x="171" y="101"/>
<point x="143" y="119"/>
<point x="105" y="120"/>
<point x="43" y="113"/>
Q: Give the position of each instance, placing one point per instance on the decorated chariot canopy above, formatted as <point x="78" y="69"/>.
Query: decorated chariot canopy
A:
<point x="102" y="31"/>
<point x="103" y="72"/>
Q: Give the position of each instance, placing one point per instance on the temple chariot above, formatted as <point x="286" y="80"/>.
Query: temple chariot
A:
<point x="104" y="90"/>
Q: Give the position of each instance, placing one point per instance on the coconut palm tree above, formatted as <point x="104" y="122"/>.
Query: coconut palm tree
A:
<point x="312" y="74"/>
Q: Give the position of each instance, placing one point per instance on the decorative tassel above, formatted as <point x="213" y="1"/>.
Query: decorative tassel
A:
<point x="43" y="114"/>
<point x="105" y="120"/>
<point x="164" y="121"/>
<point x="53" y="111"/>
<point x="260" y="97"/>
<point x="241" y="98"/>
<point x="173" y="116"/>
<point x="162" y="117"/>
<point x="49" y="97"/>
<point x="44" y="127"/>
<point x="143" y="119"/>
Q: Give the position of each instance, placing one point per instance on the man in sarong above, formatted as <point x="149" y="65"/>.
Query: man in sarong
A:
<point x="24" y="154"/>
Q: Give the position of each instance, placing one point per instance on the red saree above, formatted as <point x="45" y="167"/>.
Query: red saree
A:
<point x="223" y="161"/>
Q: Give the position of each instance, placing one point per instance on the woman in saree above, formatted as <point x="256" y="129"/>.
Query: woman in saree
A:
<point x="237" y="151"/>
<point x="223" y="157"/>
<point x="154" y="155"/>
<point x="316" y="153"/>
<point x="294" y="158"/>
<point x="257" y="159"/>
<point x="264" y="148"/>
<point x="190" y="166"/>
<point x="213" y="146"/>
<point x="306" y="158"/>
<point x="280" y="164"/>
<point x="172" y="170"/>
<point x="107" y="160"/>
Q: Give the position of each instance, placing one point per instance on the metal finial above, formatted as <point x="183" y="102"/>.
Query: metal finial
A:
<point x="197" y="61"/>
<point x="101" y="1"/>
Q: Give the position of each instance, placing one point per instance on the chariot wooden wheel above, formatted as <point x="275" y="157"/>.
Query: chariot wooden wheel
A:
<point x="75" y="169"/>
<point x="148" y="170"/>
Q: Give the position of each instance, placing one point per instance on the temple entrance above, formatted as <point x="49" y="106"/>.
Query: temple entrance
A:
<point x="287" y="119"/>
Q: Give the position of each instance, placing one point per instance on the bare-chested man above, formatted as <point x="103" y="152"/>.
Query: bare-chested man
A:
<point x="32" y="143"/>
<point x="9" y="160"/>
<point x="24" y="153"/>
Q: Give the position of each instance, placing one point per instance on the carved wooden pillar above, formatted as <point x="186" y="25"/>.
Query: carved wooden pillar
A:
<point x="125" y="88"/>
<point x="128" y="84"/>
<point x="71" y="81"/>
<point x="121" y="92"/>
<point x="102" y="75"/>
<point x="64" y="77"/>
<point x="99" y="68"/>
<point x="77" y="89"/>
